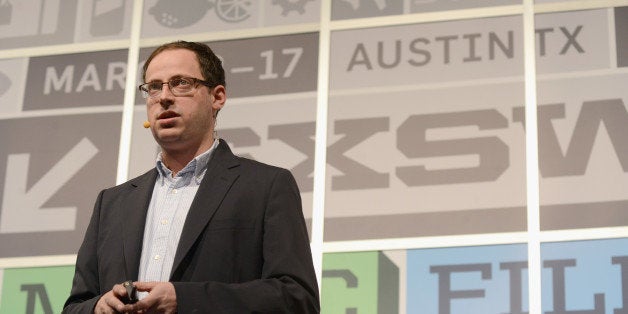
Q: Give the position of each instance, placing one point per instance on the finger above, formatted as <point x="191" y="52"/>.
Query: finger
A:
<point x="115" y="307"/>
<point x="145" y="286"/>
<point x="103" y="308"/>
<point x="106" y="303"/>
<point x="113" y="303"/>
<point x="119" y="291"/>
<point x="139" y="306"/>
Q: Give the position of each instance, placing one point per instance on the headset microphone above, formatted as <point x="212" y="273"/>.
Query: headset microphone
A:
<point x="146" y="124"/>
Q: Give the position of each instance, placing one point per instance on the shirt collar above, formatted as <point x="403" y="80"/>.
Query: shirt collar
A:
<point x="197" y="166"/>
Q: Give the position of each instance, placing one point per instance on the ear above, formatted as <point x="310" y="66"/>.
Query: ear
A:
<point x="218" y="97"/>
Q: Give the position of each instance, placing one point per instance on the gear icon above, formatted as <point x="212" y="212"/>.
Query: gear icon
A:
<point x="291" y="5"/>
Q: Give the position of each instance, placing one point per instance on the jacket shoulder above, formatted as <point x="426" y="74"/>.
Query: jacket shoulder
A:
<point x="147" y="177"/>
<point x="260" y="167"/>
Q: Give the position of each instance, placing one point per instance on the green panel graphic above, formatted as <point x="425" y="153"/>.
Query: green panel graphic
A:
<point x="35" y="290"/>
<point x="361" y="282"/>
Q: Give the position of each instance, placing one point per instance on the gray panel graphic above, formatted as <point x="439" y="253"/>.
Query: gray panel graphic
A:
<point x="107" y="17"/>
<point x="587" y="215"/>
<point x="172" y="14"/>
<point x="621" y="35"/>
<point x="553" y="217"/>
<point x="288" y="6"/>
<point x="418" y="6"/>
<point x="166" y="17"/>
<point x="286" y="12"/>
<point x="351" y="9"/>
<point x="76" y="80"/>
<point x="6" y="13"/>
<point x="54" y="176"/>
<point x="5" y="83"/>
<point x="12" y="80"/>
<point x="428" y="53"/>
<point x="270" y="65"/>
<point x="442" y="223"/>
<point x="28" y="23"/>
<point x="264" y="66"/>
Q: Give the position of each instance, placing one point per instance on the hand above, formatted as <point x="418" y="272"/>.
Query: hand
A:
<point x="111" y="302"/>
<point x="161" y="298"/>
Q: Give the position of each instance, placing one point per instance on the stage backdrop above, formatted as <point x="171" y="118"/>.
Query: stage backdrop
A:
<point x="425" y="185"/>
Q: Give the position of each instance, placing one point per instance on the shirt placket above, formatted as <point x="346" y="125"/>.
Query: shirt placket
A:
<point x="164" y="225"/>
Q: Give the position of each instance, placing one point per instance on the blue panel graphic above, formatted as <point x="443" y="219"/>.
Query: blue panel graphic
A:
<point x="589" y="268"/>
<point x="585" y="277"/>
<point x="466" y="280"/>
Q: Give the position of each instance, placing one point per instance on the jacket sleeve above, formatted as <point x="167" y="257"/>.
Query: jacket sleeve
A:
<point x="288" y="282"/>
<point x="85" y="289"/>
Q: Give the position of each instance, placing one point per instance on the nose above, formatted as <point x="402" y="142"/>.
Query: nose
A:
<point x="166" y="98"/>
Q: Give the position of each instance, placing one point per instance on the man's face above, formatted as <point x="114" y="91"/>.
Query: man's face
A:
<point x="181" y="122"/>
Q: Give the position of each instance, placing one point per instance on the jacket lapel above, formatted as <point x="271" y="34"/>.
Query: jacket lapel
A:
<point x="220" y="175"/>
<point x="135" y="207"/>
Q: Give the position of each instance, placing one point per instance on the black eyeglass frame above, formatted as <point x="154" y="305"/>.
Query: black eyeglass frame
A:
<point x="143" y="88"/>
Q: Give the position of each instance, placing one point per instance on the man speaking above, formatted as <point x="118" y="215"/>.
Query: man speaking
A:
<point x="204" y="231"/>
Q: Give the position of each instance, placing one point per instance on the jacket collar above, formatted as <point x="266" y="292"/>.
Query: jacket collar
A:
<point x="134" y="207"/>
<point x="222" y="172"/>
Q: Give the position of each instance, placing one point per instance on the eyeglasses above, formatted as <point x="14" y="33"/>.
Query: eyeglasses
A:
<point x="181" y="86"/>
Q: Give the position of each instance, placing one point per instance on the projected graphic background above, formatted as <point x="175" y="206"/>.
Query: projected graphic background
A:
<point x="425" y="185"/>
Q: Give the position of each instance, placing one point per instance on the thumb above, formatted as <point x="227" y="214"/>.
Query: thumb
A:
<point x="144" y="286"/>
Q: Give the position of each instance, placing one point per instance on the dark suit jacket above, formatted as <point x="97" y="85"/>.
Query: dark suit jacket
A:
<point x="244" y="246"/>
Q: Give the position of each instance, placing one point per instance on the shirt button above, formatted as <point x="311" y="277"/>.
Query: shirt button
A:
<point x="164" y="222"/>
<point x="157" y="257"/>
<point x="174" y="191"/>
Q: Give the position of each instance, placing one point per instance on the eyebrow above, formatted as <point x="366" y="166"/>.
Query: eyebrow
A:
<point x="177" y="76"/>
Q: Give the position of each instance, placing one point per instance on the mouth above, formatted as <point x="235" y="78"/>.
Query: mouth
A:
<point x="167" y="118"/>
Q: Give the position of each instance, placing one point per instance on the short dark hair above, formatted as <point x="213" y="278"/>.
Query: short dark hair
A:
<point x="211" y="66"/>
